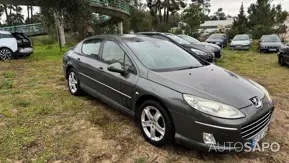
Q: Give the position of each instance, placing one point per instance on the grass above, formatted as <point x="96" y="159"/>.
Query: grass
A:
<point x="41" y="122"/>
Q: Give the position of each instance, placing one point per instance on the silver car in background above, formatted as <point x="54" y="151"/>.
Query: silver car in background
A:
<point x="241" y="42"/>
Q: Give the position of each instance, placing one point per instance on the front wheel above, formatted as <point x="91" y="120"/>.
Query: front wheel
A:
<point x="281" y="61"/>
<point x="6" y="54"/>
<point x="156" y="124"/>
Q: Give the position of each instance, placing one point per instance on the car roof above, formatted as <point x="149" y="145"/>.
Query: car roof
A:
<point x="126" y="37"/>
<point x="4" y="32"/>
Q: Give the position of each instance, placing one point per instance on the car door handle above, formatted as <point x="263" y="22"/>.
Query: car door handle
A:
<point x="100" y="69"/>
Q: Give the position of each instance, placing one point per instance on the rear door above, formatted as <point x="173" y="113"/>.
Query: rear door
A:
<point x="88" y="64"/>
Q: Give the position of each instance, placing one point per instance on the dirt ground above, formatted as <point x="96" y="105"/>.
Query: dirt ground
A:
<point x="41" y="122"/>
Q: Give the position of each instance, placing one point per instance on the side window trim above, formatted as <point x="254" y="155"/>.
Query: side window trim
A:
<point x="123" y="49"/>
<point x="99" y="50"/>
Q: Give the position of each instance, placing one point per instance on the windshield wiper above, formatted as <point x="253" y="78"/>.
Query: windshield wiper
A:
<point x="189" y="67"/>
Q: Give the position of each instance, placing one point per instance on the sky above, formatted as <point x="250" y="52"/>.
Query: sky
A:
<point x="230" y="7"/>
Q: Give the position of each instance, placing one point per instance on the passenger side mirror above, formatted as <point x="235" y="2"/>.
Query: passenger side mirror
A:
<point x="117" y="67"/>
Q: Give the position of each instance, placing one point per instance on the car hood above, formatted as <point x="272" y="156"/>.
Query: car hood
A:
<point x="214" y="40"/>
<point x="210" y="82"/>
<point x="197" y="46"/>
<point x="213" y="46"/>
<point x="243" y="42"/>
<point x="271" y="43"/>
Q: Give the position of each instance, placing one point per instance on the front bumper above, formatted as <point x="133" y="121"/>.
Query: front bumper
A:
<point x="218" y="53"/>
<point x="208" y="57"/>
<point x="230" y="135"/>
<point x="269" y="49"/>
<point x="240" y="47"/>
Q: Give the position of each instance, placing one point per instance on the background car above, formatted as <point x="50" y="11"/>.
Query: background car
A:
<point x="8" y="45"/>
<point x="193" y="49"/>
<point x="219" y="39"/>
<point x="283" y="55"/>
<point x="24" y="44"/>
<point x="241" y="42"/>
<point x="215" y="48"/>
<point x="14" y="45"/>
<point x="269" y="43"/>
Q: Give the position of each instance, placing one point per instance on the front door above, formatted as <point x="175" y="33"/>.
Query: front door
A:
<point x="119" y="88"/>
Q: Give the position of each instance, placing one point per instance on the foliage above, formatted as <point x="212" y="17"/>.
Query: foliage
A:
<point x="137" y="24"/>
<point x="193" y="17"/>
<point x="219" y="15"/>
<point x="263" y="17"/>
<point x="240" y="24"/>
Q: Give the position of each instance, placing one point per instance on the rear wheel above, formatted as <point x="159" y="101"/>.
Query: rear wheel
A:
<point x="73" y="83"/>
<point x="155" y="123"/>
<point x="6" y="54"/>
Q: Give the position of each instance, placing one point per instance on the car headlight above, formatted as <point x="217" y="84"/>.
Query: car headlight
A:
<point x="198" y="52"/>
<point x="213" y="108"/>
<point x="264" y="90"/>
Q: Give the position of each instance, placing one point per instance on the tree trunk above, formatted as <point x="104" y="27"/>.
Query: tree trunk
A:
<point x="160" y="14"/>
<point x="6" y="13"/>
<point x="59" y="28"/>
<point x="31" y="14"/>
<point x="28" y="14"/>
<point x="167" y="17"/>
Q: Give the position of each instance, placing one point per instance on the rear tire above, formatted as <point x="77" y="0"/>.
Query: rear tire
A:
<point x="6" y="54"/>
<point x="155" y="123"/>
<point x="73" y="83"/>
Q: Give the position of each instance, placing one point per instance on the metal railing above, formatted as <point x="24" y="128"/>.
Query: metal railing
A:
<point x="39" y="28"/>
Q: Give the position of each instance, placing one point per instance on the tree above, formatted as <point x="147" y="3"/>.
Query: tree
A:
<point x="204" y="5"/>
<point x="264" y="18"/>
<point x="193" y="17"/>
<point x="240" y="23"/>
<point x="137" y="24"/>
<point x="1" y="11"/>
<point x="220" y="14"/>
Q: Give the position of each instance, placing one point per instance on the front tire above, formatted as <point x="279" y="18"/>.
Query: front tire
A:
<point x="281" y="61"/>
<point x="156" y="123"/>
<point x="6" y="54"/>
<point x="73" y="83"/>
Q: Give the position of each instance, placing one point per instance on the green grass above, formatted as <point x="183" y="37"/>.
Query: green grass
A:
<point x="41" y="122"/>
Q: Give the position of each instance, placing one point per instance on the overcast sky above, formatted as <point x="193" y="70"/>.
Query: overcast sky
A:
<point x="230" y="7"/>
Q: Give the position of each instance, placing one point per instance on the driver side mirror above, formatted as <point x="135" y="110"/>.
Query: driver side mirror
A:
<point x="117" y="67"/>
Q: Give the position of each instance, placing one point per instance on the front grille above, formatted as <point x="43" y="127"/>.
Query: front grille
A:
<point x="272" y="47"/>
<point x="253" y="128"/>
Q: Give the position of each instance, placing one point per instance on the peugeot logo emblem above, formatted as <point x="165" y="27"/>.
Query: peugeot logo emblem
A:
<point x="256" y="101"/>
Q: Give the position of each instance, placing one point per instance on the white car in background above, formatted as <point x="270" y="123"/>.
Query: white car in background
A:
<point x="14" y="45"/>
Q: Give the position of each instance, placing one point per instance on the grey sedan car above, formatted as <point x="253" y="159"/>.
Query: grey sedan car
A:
<point x="172" y="95"/>
<point x="241" y="42"/>
<point x="269" y="43"/>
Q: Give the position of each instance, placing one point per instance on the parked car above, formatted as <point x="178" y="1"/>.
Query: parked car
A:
<point x="283" y="55"/>
<point x="219" y="39"/>
<point x="241" y="42"/>
<point x="269" y="43"/>
<point x="171" y="94"/>
<point x="14" y="45"/>
<point x="193" y="49"/>
<point x="215" y="48"/>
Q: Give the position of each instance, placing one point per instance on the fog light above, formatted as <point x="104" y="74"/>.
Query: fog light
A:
<point x="208" y="138"/>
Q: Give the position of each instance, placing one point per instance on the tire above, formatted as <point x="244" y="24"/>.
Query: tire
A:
<point x="154" y="119"/>
<point x="281" y="61"/>
<point x="6" y="54"/>
<point x="73" y="83"/>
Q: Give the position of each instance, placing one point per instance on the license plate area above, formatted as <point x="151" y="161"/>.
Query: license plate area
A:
<point x="260" y="135"/>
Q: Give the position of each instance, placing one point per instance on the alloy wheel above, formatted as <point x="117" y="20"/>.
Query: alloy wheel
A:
<point x="153" y="123"/>
<point x="5" y="54"/>
<point x="72" y="82"/>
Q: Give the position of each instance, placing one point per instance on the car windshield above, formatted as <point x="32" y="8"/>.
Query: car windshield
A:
<point x="189" y="38"/>
<point x="271" y="38"/>
<point x="216" y="36"/>
<point x="159" y="55"/>
<point x="241" y="38"/>
<point x="177" y="39"/>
